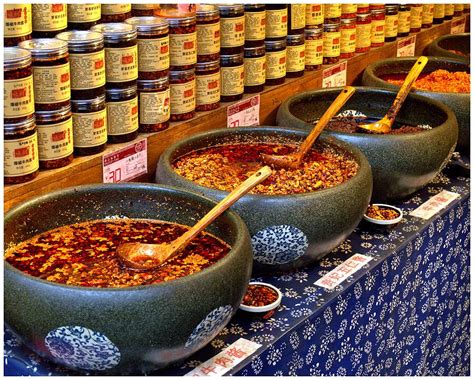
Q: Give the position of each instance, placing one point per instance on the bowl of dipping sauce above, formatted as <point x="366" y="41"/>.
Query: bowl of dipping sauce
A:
<point x="383" y="214"/>
<point x="261" y="297"/>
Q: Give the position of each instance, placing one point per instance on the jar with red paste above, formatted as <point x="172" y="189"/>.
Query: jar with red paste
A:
<point x="438" y="13"/>
<point x="255" y="22"/>
<point x="415" y="17"/>
<point x="295" y="55"/>
<point x="232" y="28"/>
<point x="115" y="12"/>
<point x="403" y="20"/>
<point x="208" y="33"/>
<point x="313" y="48"/>
<point x="17" y="24"/>
<point x="82" y="16"/>
<point x="49" y="19"/>
<point x="254" y="69"/>
<point x="183" y="42"/>
<point x="448" y="11"/>
<point x="458" y="9"/>
<point x="182" y="94"/>
<point x="122" y="114"/>
<point x="144" y="10"/>
<point x="153" y="104"/>
<point x="427" y="15"/>
<point x="314" y="15"/>
<point x="331" y="43"/>
<point x="391" y="22"/>
<point x="275" y="57"/>
<point x="232" y="77"/>
<point x="296" y="18"/>
<point x="377" y="32"/>
<point x="363" y="30"/>
<point x="277" y="21"/>
<point x="208" y="85"/>
<point x="348" y="37"/>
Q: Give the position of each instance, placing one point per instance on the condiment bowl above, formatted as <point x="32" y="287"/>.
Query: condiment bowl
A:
<point x="263" y="309"/>
<point x="387" y="222"/>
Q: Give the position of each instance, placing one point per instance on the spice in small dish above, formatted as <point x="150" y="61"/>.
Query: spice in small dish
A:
<point x="383" y="214"/>
<point x="260" y="297"/>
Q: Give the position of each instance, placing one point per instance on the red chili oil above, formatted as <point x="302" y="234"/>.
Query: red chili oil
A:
<point x="259" y="295"/>
<point x="84" y="254"/>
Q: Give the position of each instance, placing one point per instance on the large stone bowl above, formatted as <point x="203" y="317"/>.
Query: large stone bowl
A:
<point x="459" y="103"/>
<point x="401" y="164"/>
<point x="288" y="231"/>
<point x="442" y="45"/>
<point x="123" y="330"/>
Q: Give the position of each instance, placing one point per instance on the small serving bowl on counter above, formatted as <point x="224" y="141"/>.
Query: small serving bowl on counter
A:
<point x="382" y="221"/>
<point x="265" y="307"/>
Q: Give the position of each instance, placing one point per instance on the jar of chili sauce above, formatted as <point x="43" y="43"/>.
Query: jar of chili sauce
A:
<point x="448" y="11"/>
<point x="49" y="19"/>
<point x="296" y="18"/>
<point x="183" y="42"/>
<point x="363" y="30"/>
<point x="232" y="28"/>
<point x="208" y="85"/>
<point x="17" y="24"/>
<point x="314" y="15"/>
<point x="255" y="21"/>
<point x="348" y="10"/>
<point x="275" y="57"/>
<point x="254" y="69"/>
<point x="313" y="48"/>
<point x="122" y="114"/>
<point x="182" y="94"/>
<point x="427" y="16"/>
<point x="331" y="43"/>
<point x="208" y="33"/>
<point x="82" y="16"/>
<point x="348" y="37"/>
<point x="438" y="13"/>
<point x="403" y="20"/>
<point x="377" y="32"/>
<point x="332" y="13"/>
<point x="232" y="77"/>
<point x="391" y="22"/>
<point x="295" y="55"/>
<point x="144" y="10"/>
<point x="363" y="8"/>
<point x="277" y="21"/>
<point x="115" y="12"/>
<point x="458" y="9"/>
<point x="415" y="17"/>
<point x="467" y="7"/>
<point x="154" y="104"/>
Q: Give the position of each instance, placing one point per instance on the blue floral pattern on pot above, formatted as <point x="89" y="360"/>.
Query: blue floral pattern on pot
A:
<point x="82" y="348"/>
<point x="210" y="325"/>
<point x="279" y="244"/>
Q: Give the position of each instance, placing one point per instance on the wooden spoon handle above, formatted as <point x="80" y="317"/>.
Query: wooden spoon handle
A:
<point x="222" y="206"/>
<point x="341" y="99"/>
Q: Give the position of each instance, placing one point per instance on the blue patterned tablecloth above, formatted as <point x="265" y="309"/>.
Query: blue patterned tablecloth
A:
<point x="405" y="313"/>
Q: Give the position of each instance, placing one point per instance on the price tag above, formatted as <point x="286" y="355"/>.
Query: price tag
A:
<point x="125" y="164"/>
<point x="458" y="26"/>
<point x="227" y="359"/>
<point x="343" y="271"/>
<point x="244" y="113"/>
<point x="335" y="76"/>
<point x="406" y="47"/>
<point x="434" y="204"/>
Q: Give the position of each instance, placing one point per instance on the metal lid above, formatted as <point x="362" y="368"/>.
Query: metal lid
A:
<point x="348" y="21"/>
<point x="208" y="66"/>
<point x="254" y="51"/>
<point x="272" y="45"/>
<point x="28" y="123"/>
<point x="181" y="74"/>
<point x="295" y="38"/>
<point x="233" y="8"/>
<point x="15" y="58"/>
<point x="391" y="7"/>
<point x="313" y="31"/>
<point x="76" y="38"/>
<point x="117" y="93"/>
<point x="116" y="30"/>
<point x="363" y="16"/>
<point x="377" y="11"/>
<point x="404" y="7"/>
<point x="152" y="83"/>
<point x="144" y="6"/>
<point x="149" y="24"/>
<point x="252" y="7"/>
<point x="83" y="104"/>
<point x="206" y="10"/>
<point x="40" y="47"/>
<point x="232" y="58"/>
<point x="52" y="115"/>
<point x="181" y="21"/>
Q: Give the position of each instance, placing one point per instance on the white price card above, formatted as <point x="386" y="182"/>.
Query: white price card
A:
<point x="434" y="204"/>
<point x="335" y="76"/>
<point x="406" y="47"/>
<point x="125" y="164"/>
<point x="224" y="361"/>
<point x="458" y="26"/>
<point x="343" y="271"/>
<point x="244" y="113"/>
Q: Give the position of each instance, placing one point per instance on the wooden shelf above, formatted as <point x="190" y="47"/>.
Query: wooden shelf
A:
<point x="85" y="170"/>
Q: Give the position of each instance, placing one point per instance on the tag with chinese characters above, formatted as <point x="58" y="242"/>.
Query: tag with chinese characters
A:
<point x="434" y="204"/>
<point x="125" y="164"/>
<point x="335" y="76"/>
<point x="406" y="47"/>
<point x="244" y="113"/>
<point x="458" y="26"/>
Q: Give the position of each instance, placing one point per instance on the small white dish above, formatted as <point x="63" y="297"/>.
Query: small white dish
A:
<point x="385" y="222"/>
<point x="262" y="309"/>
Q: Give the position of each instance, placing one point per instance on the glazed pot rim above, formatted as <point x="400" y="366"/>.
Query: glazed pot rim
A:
<point x="460" y="36"/>
<point x="235" y="219"/>
<point x="165" y="160"/>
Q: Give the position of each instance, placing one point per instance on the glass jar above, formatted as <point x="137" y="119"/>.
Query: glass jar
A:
<point x="275" y="61"/>
<point x="20" y="151"/>
<point x="55" y="145"/>
<point x="255" y="21"/>
<point x="86" y="62"/>
<point x="17" y="25"/>
<point x="313" y="48"/>
<point x="51" y="76"/>
<point x="277" y="20"/>
<point x="49" y="19"/>
<point x="295" y="55"/>
<point x="115" y="12"/>
<point x="18" y="95"/>
<point x="121" y="53"/>
<point x="89" y="125"/>
<point x="377" y="31"/>
<point x="458" y="9"/>
<point x="296" y="18"/>
<point x="82" y="16"/>
<point x="153" y="104"/>
<point x="403" y="20"/>
<point x="427" y="14"/>
<point x="208" y="33"/>
<point x="331" y="43"/>
<point x="183" y="42"/>
<point x="391" y="22"/>
<point x="122" y="114"/>
<point x="348" y="10"/>
<point x="332" y="13"/>
<point x="363" y="8"/>
<point x="438" y="13"/>
<point x="467" y="7"/>
<point x="254" y="69"/>
<point x="144" y="10"/>
<point x="208" y="85"/>
<point x="415" y="17"/>
<point x="232" y="28"/>
<point x="448" y="11"/>
<point x="363" y="29"/>
<point x="182" y="95"/>
<point x="348" y="37"/>
<point x="232" y="77"/>
<point x="314" y="15"/>
<point x="153" y="46"/>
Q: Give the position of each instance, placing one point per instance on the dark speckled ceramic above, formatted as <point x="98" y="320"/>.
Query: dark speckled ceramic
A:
<point x="459" y="103"/>
<point x="288" y="231"/>
<point x="441" y="46"/>
<point x="124" y="330"/>
<point x="401" y="164"/>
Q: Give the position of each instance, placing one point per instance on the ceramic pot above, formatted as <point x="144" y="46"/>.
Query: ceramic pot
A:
<point x="123" y="330"/>
<point x="459" y="103"/>
<point x="401" y="164"/>
<point x="288" y="231"/>
<point x="442" y="45"/>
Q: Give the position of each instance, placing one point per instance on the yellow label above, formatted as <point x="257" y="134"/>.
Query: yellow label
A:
<point x="298" y="16"/>
<point x="122" y="117"/>
<point x="254" y="71"/>
<point x="18" y="98"/>
<point x="87" y="70"/>
<point x="313" y="52"/>
<point x="153" y="54"/>
<point x="377" y="32"/>
<point x="276" y="23"/>
<point x="415" y="17"/>
<point x="314" y="14"/>
<point x="20" y="156"/>
<point x="427" y="14"/>
<point x="17" y="20"/>
<point x="331" y="44"/>
<point x="154" y="107"/>
<point x="363" y="35"/>
<point x="49" y="17"/>
<point x="255" y="26"/>
<point x="183" y="99"/>
<point x="121" y="64"/>
<point x="458" y="7"/>
<point x="183" y="49"/>
<point x="208" y="89"/>
<point x="78" y="13"/>
<point x="90" y="129"/>
<point x="448" y="9"/>
<point x="438" y="11"/>
<point x="232" y="80"/>
<point x="332" y="10"/>
<point x="232" y="31"/>
<point x="348" y="40"/>
<point x="52" y="84"/>
<point x="115" y="9"/>
<point x="275" y="64"/>
<point x="404" y="22"/>
<point x="208" y="39"/>
<point x="391" y="25"/>
<point x="348" y="8"/>
<point x="55" y="140"/>
<point x="295" y="58"/>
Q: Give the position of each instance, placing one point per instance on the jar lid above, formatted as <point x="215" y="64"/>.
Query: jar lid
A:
<point x="313" y="31"/>
<point x="28" y="123"/>
<point x="232" y="58"/>
<point x="40" y="47"/>
<point x="391" y="7"/>
<point x="377" y="11"/>
<point x="404" y="7"/>
<point x="251" y="7"/>
<point x="277" y="44"/>
<point x="83" y="103"/>
<point x="208" y="66"/>
<point x="294" y="38"/>
<point x="348" y="21"/>
<point x="116" y="30"/>
<point x="206" y="10"/>
<point x="15" y="58"/>
<point x="149" y="24"/>
<point x="186" y="74"/>
<point x="181" y="21"/>
<point x="144" y="6"/>
<point x="153" y="83"/>
<point x="76" y="38"/>
<point x="238" y="8"/>
<point x="363" y="16"/>
<point x="119" y="92"/>
<point x="53" y="115"/>
<point x="254" y="51"/>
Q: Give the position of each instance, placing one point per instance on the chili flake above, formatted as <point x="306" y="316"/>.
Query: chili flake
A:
<point x="381" y="213"/>
<point x="259" y="295"/>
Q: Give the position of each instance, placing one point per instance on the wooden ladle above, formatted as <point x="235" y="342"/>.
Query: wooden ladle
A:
<point x="384" y="125"/>
<point x="148" y="256"/>
<point x="293" y="160"/>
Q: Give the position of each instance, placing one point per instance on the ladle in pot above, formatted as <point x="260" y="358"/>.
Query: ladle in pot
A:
<point x="148" y="256"/>
<point x="384" y="125"/>
<point x="293" y="160"/>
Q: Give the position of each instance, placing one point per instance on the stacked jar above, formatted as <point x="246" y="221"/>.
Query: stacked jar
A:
<point x="332" y="33"/>
<point x="458" y="9"/>
<point x="448" y="11"/>
<point x="254" y="48"/>
<point x="363" y="32"/>
<point x="143" y="10"/>
<point x="83" y="16"/>
<point x="313" y="48"/>
<point x="314" y="15"/>
<point x="438" y="13"/>
<point x="427" y="15"/>
<point x="255" y="21"/>
<point x="115" y="12"/>
<point x="49" y="19"/>
<point x="348" y="37"/>
<point x="295" y="55"/>
<point x="296" y="19"/>
<point x="208" y="33"/>
<point x="391" y="22"/>
<point x="415" y="17"/>
<point x="403" y="20"/>
<point x="17" y="23"/>
<point x="277" y="21"/>
<point x="377" y="31"/>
